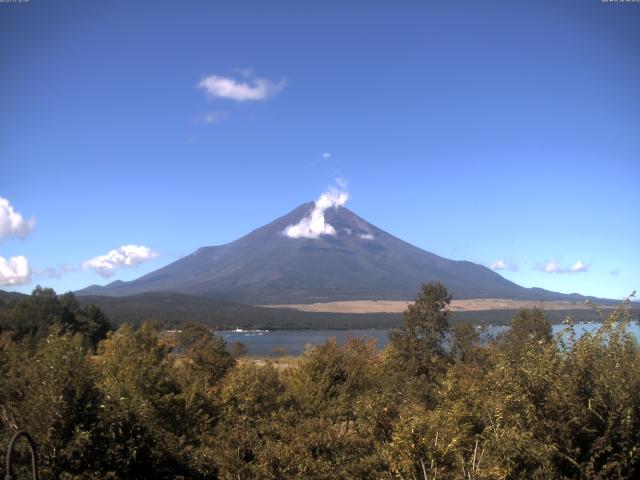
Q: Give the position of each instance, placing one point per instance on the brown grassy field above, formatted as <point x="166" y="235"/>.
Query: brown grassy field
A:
<point x="279" y="363"/>
<point x="395" y="306"/>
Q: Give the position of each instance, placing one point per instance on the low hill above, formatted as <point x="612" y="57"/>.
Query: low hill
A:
<point x="6" y="297"/>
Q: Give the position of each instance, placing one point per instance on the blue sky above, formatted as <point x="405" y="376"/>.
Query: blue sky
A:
<point x="501" y="132"/>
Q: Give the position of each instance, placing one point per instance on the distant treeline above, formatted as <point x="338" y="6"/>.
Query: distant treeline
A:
<point x="174" y="309"/>
<point x="136" y="403"/>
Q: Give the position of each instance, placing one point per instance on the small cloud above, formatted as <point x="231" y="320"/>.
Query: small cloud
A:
<point x="615" y="271"/>
<point x="499" y="265"/>
<point x="14" y="271"/>
<point x="217" y="86"/>
<point x="326" y="156"/>
<point x="214" y="117"/>
<point x="313" y="225"/>
<point x="12" y="223"/>
<point x="125" y="256"/>
<point x="504" y="265"/>
<point x="366" y="236"/>
<point x="552" y="266"/>
<point x="579" y="266"/>
<point x="54" y="272"/>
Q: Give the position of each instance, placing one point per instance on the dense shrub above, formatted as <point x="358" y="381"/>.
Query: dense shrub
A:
<point x="436" y="403"/>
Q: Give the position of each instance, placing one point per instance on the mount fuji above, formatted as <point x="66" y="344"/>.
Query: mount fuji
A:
<point x="321" y="254"/>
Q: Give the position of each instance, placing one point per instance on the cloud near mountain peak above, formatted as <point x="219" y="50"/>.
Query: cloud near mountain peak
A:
<point x="313" y="225"/>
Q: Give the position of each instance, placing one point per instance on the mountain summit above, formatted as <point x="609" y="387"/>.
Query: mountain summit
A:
<point x="320" y="253"/>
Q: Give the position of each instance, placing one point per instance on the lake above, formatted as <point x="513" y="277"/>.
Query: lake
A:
<point x="263" y="343"/>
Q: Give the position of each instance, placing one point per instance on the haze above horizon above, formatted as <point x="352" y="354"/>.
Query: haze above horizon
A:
<point x="504" y="133"/>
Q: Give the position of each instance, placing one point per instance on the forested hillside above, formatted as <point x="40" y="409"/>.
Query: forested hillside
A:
<point x="173" y="309"/>
<point x="136" y="403"/>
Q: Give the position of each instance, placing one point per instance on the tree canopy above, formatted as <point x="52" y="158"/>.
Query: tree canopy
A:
<point x="435" y="403"/>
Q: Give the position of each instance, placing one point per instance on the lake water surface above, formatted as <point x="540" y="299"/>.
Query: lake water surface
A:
<point x="295" y="341"/>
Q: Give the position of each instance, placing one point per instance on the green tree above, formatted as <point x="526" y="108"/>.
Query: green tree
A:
<point x="418" y="347"/>
<point x="51" y="393"/>
<point x="330" y="377"/>
<point x="568" y="412"/>
<point x="528" y="327"/>
<point x="206" y="355"/>
<point x="31" y="317"/>
<point x="250" y="396"/>
<point x="145" y="420"/>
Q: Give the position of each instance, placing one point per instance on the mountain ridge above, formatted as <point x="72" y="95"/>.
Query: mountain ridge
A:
<point x="359" y="261"/>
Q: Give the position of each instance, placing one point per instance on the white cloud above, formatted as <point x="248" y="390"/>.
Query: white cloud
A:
<point x="313" y="225"/>
<point x="217" y="86"/>
<point x="14" y="271"/>
<point x="12" y="223"/>
<point x="579" y="266"/>
<point x="499" y="265"/>
<point x="125" y="256"/>
<point x="366" y="236"/>
<point x="214" y="117"/>
<point x="504" y="265"/>
<point x="552" y="266"/>
<point x="326" y="156"/>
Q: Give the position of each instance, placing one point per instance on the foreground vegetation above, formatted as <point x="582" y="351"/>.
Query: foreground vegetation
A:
<point x="134" y="403"/>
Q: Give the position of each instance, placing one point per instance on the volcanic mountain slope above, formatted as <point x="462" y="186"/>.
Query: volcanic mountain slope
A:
<point x="358" y="261"/>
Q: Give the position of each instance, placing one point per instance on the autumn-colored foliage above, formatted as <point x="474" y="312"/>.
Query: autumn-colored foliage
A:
<point x="435" y="404"/>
